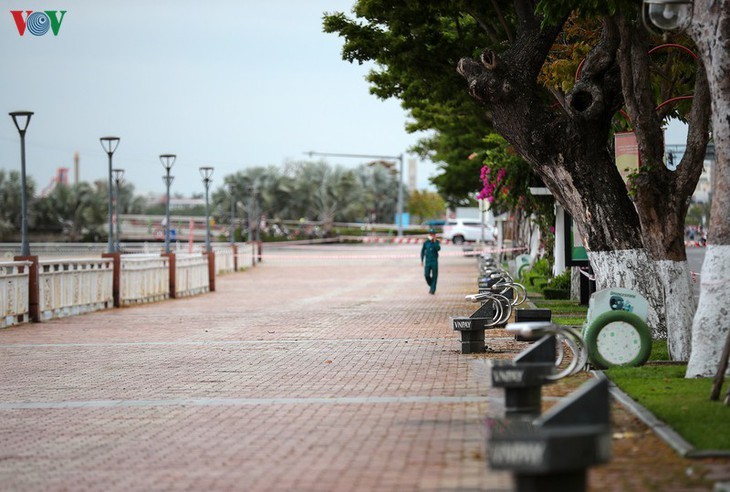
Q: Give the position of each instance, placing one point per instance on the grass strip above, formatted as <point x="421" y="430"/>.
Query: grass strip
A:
<point x="684" y="404"/>
<point x="569" y="320"/>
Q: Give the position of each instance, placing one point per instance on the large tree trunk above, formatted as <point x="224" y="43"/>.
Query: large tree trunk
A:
<point x="711" y="31"/>
<point x="635" y="243"/>
<point x="676" y="284"/>
<point x="660" y="194"/>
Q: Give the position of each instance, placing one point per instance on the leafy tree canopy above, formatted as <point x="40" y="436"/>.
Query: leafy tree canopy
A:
<point x="416" y="47"/>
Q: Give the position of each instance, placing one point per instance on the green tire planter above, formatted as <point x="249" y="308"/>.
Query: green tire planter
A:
<point x="617" y="338"/>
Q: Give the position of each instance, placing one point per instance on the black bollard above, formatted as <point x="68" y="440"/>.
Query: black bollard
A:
<point x="555" y="451"/>
<point x="523" y="377"/>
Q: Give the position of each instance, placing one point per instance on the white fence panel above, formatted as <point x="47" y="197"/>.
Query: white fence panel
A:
<point x="13" y="292"/>
<point x="223" y="259"/>
<point x="191" y="274"/>
<point x="245" y="255"/>
<point x="144" y="279"/>
<point x="70" y="287"/>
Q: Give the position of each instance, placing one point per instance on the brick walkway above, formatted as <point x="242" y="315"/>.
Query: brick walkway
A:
<point x="325" y="368"/>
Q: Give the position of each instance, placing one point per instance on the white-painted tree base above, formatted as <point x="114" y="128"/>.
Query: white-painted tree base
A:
<point x="667" y="286"/>
<point x="679" y="306"/>
<point x="712" y="320"/>
<point x="632" y="269"/>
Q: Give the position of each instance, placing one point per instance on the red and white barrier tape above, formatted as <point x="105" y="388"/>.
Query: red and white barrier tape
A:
<point x="397" y="240"/>
<point x="590" y="277"/>
<point x="388" y="256"/>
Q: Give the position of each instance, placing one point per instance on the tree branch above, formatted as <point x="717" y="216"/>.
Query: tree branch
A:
<point x="489" y="30"/>
<point x="505" y="26"/>
<point x="697" y="135"/>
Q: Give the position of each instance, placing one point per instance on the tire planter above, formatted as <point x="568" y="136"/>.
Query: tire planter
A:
<point x="617" y="338"/>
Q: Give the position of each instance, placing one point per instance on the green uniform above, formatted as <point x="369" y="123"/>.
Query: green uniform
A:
<point x="430" y="260"/>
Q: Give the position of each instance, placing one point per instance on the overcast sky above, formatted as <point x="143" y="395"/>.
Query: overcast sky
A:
<point x="229" y="84"/>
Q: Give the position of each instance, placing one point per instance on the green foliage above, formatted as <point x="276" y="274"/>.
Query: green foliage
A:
<point x="10" y="202"/>
<point x="551" y="293"/>
<point x="554" y="10"/>
<point x="425" y="205"/>
<point x="80" y="211"/>
<point x="659" y="350"/>
<point x="698" y="214"/>
<point x="542" y="267"/>
<point x="314" y="191"/>
<point x="416" y="47"/>
<point x="570" y="49"/>
<point x="565" y="320"/>
<point x="683" y="404"/>
<point x="561" y="281"/>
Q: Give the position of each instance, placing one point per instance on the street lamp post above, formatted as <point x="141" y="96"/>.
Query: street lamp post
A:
<point x="118" y="178"/>
<point x="110" y="144"/>
<point x="399" y="203"/>
<point x="233" y="214"/>
<point x="207" y="173"/>
<point x="167" y="160"/>
<point x="21" y="119"/>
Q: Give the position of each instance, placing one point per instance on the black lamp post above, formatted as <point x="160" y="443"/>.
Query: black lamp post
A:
<point x="110" y="144"/>
<point x="21" y="119"/>
<point x="207" y="174"/>
<point x="118" y="178"/>
<point x="167" y="160"/>
<point x="233" y="214"/>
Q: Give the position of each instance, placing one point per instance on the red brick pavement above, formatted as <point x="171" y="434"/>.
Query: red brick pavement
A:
<point x="325" y="368"/>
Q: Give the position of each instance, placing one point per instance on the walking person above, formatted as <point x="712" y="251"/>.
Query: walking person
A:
<point x="430" y="253"/>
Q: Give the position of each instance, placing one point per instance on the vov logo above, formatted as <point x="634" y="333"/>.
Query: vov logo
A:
<point x="39" y="22"/>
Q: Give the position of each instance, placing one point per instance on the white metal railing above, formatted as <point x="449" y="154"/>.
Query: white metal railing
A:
<point x="144" y="278"/>
<point x="13" y="292"/>
<point x="191" y="274"/>
<point x="74" y="286"/>
<point x="223" y="259"/>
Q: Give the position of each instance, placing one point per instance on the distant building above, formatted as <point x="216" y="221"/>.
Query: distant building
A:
<point x="176" y="203"/>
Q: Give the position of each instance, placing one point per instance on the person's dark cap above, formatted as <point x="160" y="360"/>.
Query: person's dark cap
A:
<point x="432" y="231"/>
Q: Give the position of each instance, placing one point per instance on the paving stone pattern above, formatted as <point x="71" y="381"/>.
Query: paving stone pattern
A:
<point x="325" y="368"/>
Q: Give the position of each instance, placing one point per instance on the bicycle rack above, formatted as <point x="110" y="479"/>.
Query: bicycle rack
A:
<point x="554" y="452"/>
<point x="523" y="377"/>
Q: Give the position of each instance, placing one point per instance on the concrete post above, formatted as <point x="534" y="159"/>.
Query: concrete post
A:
<point x="117" y="276"/>
<point x="34" y="297"/>
<point x="211" y="270"/>
<point x="172" y="267"/>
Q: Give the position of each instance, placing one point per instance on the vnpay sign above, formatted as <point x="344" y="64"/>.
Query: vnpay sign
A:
<point x="38" y="23"/>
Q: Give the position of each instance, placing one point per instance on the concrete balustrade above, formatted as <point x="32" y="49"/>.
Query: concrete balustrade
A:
<point x="13" y="292"/>
<point x="144" y="278"/>
<point x="191" y="274"/>
<point x="74" y="286"/>
<point x="246" y="255"/>
<point x="225" y="259"/>
<point x="33" y="290"/>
